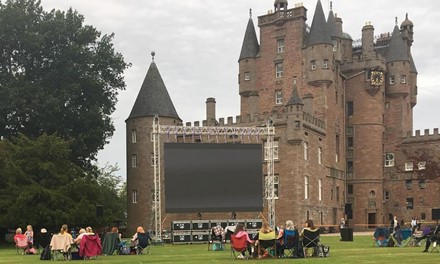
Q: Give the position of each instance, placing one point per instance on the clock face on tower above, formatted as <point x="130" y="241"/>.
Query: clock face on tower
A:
<point x="377" y="78"/>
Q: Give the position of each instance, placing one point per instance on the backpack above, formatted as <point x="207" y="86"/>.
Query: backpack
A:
<point x="45" y="254"/>
<point x="322" y="251"/>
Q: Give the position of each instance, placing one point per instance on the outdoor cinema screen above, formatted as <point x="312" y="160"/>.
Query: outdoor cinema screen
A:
<point x="206" y="177"/>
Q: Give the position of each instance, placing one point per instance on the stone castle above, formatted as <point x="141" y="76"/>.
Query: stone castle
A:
<point x="342" y="111"/>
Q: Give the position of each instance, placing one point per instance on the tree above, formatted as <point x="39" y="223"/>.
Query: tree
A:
<point x="426" y="162"/>
<point x="57" y="76"/>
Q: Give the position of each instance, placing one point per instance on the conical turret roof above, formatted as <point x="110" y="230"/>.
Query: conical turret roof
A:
<point x="153" y="98"/>
<point x="294" y="98"/>
<point x="331" y="24"/>
<point x="250" y="47"/>
<point x="319" y="32"/>
<point x="397" y="50"/>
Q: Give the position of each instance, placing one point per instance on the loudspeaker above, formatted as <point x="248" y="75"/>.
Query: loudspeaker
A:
<point x="346" y="234"/>
<point x="348" y="211"/>
<point x="436" y="214"/>
<point x="99" y="211"/>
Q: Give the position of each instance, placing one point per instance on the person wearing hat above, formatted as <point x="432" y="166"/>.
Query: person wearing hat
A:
<point x="43" y="238"/>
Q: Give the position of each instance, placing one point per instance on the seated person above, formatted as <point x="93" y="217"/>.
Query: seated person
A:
<point x="30" y="235"/>
<point x="280" y="240"/>
<point x="19" y="237"/>
<point x="43" y="238"/>
<point x="81" y="233"/>
<point x="433" y="236"/>
<point x="240" y="232"/>
<point x="309" y="235"/>
<point x="134" y="242"/>
<point x="218" y="233"/>
<point x="263" y="239"/>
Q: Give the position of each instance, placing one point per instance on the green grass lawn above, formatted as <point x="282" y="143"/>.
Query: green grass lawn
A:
<point x="361" y="250"/>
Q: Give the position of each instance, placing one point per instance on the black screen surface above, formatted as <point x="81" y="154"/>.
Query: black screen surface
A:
<point x="206" y="177"/>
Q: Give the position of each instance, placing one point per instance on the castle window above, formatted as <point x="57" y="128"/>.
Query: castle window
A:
<point x="409" y="203"/>
<point x="306" y="187"/>
<point x="320" y="190"/>
<point x="368" y="75"/>
<point x="279" y="70"/>
<point x="313" y="65"/>
<point x="349" y="188"/>
<point x="278" y="97"/>
<point x="275" y="150"/>
<point x="134" y="196"/>
<point x="325" y="64"/>
<point x="337" y="148"/>
<point x="337" y="193"/>
<point x="392" y="79"/>
<point x="276" y="182"/>
<point x="349" y="166"/>
<point x="386" y="195"/>
<point x="319" y="155"/>
<point x="350" y="109"/>
<point x="280" y="45"/>
<point x="408" y="184"/>
<point x="422" y="184"/>
<point x="133" y="160"/>
<point x="297" y="124"/>
<point x="247" y="76"/>
<point x="387" y="105"/>
<point x="421" y="165"/>
<point x="350" y="142"/>
<point x="133" y="136"/>
<point x="335" y="45"/>
<point x="403" y="79"/>
<point x="389" y="159"/>
<point x="306" y="150"/>
<point x="423" y="216"/>
<point x="349" y="131"/>
<point x="408" y="166"/>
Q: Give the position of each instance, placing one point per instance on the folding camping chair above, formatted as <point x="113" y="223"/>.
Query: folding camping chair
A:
<point x="311" y="239"/>
<point x="21" y="244"/>
<point x="110" y="244"/>
<point x="90" y="247"/>
<point x="406" y="236"/>
<point x="267" y="244"/>
<point x="381" y="236"/>
<point x="290" y="239"/>
<point x="216" y="238"/>
<point x="144" y="242"/>
<point x="60" y="246"/>
<point x="238" y="246"/>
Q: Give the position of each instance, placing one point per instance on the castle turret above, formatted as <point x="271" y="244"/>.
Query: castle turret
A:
<point x="210" y="111"/>
<point x="335" y="33"/>
<point x="153" y="100"/>
<point x="406" y="28"/>
<point x="247" y="70"/>
<point x="280" y="5"/>
<point x="294" y="117"/>
<point x="319" y="52"/>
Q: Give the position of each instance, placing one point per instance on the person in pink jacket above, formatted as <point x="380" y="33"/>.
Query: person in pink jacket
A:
<point x="239" y="232"/>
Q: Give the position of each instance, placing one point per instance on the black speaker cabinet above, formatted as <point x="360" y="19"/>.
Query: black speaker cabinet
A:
<point x="347" y="234"/>
<point x="181" y="226"/>
<point x="254" y="223"/>
<point x="199" y="237"/>
<point x="222" y="223"/>
<point x="99" y="211"/>
<point x="200" y="225"/>
<point x="182" y="238"/>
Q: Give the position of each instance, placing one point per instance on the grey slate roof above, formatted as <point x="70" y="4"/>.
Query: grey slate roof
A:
<point x="319" y="33"/>
<point x="153" y="98"/>
<point x="331" y="24"/>
<point x="250" y="47"/>
<point x="397" y="50"/>
<point x="294" y="98"/>
<point x="413" y="68"/>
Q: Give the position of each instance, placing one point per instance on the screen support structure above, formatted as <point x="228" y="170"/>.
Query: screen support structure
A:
<point x="268" y="131"/>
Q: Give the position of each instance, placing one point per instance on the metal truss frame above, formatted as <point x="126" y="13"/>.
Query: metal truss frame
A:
<point x="217" y="132"/>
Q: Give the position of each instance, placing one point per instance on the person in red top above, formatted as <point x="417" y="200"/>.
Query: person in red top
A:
<point x="19" y="235"/>
<point x="240" y="232"/>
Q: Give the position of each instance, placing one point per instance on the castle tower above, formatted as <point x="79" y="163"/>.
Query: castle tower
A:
<point x="398" y="118"/>
<point x="152" y="100"/>
<point x="294" y="117"/>
<point x="368" y="42"/>
<point x="247" y="76"/>
<point x="319" y="54"/>
<point x="335" y="26"/>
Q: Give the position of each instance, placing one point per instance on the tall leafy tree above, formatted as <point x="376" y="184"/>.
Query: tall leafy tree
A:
<point x="57" y="75"/>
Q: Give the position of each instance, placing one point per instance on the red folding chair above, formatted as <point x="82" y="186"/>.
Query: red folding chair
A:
<point x="238" y="246"/>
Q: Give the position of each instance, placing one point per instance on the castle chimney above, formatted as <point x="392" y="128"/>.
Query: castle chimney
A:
<point x="210" y="111"/>
<point x="368" y="41"/>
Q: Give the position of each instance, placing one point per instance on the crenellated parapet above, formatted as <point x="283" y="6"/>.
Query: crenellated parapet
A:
<point x="418" y="137"/>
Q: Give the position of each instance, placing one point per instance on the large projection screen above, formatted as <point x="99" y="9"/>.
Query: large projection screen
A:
<point x="206" y="177"/>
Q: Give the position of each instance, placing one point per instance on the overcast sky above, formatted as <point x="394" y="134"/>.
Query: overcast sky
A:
<point x="198" y="42"/>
